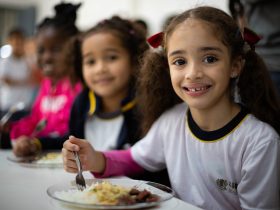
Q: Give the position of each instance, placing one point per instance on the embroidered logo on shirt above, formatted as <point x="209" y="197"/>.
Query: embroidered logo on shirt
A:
<point x="226" y="185"/>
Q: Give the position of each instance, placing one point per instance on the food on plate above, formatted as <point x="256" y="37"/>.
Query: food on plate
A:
<point x="106" y="193"/>
<point x="51" y="157"/>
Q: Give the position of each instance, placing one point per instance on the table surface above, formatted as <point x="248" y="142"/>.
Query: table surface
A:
<point x="25" y="187"/>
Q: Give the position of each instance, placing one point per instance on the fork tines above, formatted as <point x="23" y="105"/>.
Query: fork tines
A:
<point x="80" y="181"/>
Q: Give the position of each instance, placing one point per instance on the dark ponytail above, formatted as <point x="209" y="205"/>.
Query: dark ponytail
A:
<point x="257" y="91"/>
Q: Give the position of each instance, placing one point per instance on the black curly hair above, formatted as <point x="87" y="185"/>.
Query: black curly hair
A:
<point x="64" y="19"/>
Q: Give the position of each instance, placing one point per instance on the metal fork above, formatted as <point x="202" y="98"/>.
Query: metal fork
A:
<point x="39" y="127"/>
<point x="15" y="108"/>
<point x="80" y="181"/>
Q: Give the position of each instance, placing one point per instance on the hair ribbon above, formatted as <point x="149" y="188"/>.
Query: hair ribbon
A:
<point x="155" y="40"/>
<point x="251" y="38"/>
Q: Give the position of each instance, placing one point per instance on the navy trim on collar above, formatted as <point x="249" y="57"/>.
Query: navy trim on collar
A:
<point x="95" y="103"/>
<point x="217" y="134"/>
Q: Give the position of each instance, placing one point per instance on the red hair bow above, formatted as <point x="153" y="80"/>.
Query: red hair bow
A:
<point x="251" y="37"/>
<point x="155" y="40"/>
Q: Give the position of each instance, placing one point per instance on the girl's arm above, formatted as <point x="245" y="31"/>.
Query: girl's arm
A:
<point x="101" y="164"/>
<point x="119" y="163"/>
<point x="26" y="125"/>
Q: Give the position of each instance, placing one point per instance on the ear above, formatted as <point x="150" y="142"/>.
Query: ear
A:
<point x="236" y="67"/>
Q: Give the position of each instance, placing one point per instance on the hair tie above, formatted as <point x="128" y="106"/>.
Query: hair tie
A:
<point x="251" y="38"/>
<point x="155" y="40"/>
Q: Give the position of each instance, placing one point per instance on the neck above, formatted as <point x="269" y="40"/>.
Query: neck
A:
<point x="55" y="80"/>
<point x="215" y="117"/>
<point x="112" y="103"/>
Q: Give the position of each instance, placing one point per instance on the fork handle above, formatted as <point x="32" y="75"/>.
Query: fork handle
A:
<point x="78" y="161"/>
<point x="5" y="118"/>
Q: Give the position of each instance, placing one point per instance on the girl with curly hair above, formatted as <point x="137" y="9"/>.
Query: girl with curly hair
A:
<point x="221" y="145"/>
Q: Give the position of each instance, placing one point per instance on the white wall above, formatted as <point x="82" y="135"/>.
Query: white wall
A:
<point x="92" y="11"/>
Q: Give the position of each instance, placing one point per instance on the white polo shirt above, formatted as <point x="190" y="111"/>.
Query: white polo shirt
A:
<point x="235" y="167"/>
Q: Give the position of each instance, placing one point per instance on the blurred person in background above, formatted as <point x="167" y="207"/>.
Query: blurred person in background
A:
<point x="107" y="59"/>
<point x="51" y="109"/>
<point x="16" y="76"/>
<point x="236" y="9"/>
<point x="16" y="84"/>
<point x="263" y="17"/>
<point x="32" y="60"/>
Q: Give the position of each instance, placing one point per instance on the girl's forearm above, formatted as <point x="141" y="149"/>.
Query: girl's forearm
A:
<point x="119" y="163"/>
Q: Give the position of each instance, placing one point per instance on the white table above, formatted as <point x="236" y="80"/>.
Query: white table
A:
<point x="25" y="188"/>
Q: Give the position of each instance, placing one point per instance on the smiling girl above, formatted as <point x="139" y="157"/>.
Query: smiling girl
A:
<point x="57" y="91"/>
<point x="107" y="61"/>
<point x="220" y="154"/>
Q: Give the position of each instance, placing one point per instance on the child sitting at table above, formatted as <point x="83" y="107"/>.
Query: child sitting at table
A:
<point x="107" y="60"/>
<point x="51" y="109"/>
<point x="220" y="154"/>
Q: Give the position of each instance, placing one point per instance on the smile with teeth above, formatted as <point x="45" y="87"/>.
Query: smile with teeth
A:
<point x="196" y="89"/>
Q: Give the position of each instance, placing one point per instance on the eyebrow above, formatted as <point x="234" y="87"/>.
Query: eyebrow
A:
<point x="106" y="50"/>
<point x="86" y="55"/>
<point x="202" y="49"/>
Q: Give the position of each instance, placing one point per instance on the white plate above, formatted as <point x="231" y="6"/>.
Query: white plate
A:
<point x="164" y="193"/>
<point x="39" y="161"/>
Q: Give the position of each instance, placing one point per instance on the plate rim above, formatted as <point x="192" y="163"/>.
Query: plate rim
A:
<point x="34" y="164"/>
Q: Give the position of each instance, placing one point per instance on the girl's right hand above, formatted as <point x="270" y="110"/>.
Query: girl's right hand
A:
<point x="91" y="159"/>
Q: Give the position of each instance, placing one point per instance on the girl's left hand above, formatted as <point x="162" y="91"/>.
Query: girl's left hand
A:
<point x="24" y="146"/>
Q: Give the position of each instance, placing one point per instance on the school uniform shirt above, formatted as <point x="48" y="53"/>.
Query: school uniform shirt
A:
<point x="103" y="131"/>
<point x="235" y="167"/>
<point x="114" y="131"/>
<point x="54" y="105"/>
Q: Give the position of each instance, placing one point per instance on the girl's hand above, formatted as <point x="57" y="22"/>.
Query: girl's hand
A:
<point x="91" y="159"/>
<point x="24" y="146"/>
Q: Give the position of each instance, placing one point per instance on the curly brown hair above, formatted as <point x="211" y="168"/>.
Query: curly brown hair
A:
<point x="155" y="93"/>
<point x="130" y="34"/>
<point x="254" y="85"/>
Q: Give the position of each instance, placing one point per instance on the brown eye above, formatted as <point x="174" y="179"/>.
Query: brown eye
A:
<point x="89" y="62"/>
<point x="111" y="57"/>
<point x="210" y="59"/>
<point x="179" y="62"/>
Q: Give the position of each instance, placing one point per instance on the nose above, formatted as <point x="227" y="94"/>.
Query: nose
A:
<point x="100" y="66"/>
<point x="193" y="71"/>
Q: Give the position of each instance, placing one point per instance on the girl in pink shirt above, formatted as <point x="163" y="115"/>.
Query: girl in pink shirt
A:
<point x="57" y="92"/>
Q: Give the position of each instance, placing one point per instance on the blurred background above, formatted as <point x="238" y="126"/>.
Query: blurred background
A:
<point x="27" y="13"/>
